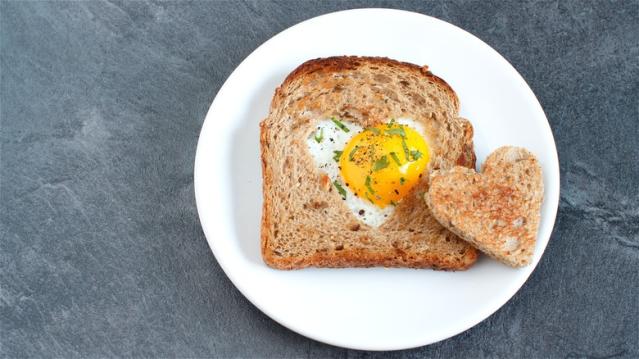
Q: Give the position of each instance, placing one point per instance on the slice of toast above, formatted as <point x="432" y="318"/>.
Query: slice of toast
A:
<point x="497" y="210"/>
<point x="304" y="220"/>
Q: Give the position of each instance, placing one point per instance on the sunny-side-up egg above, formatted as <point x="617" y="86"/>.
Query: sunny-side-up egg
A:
<point x="371" y="168"/>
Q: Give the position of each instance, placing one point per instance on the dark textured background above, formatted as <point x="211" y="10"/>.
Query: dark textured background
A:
<point x="101" y="251"/>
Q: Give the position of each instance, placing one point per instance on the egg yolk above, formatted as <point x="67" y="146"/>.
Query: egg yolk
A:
<point x="383" y="163"/>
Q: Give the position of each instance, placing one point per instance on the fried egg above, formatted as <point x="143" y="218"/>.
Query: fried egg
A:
<point x="373" y="168"/>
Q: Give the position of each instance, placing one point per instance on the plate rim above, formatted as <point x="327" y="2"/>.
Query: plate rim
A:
<point x="488" y="309"/>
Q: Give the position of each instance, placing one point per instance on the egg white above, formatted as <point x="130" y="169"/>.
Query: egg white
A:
<point x="335" y="139"/>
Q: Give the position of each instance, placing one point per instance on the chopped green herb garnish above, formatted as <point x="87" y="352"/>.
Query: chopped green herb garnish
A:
<point x="416" y="155"/>
<point x="405" y="147"/>
<point x="374" y="130"/>
<point x="396" y="131"/>
<point x="368" y="185"/>
<point x="391" y="123"/>
<point x="337" y="155"/>
<point x="340" y="189"/>
<point x="352" y="153"/>
<point x="395" y="158"/>
<point x="380" y="164"/>
<point x="402" y="180"/>
<point x="319" y="135"/>
<point x="393" y="203"/>
<point x="369" y="198"/>
<point x="340" y="125"/>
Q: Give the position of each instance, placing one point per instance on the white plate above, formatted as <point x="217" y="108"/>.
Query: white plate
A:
<point x="372" y="309"/>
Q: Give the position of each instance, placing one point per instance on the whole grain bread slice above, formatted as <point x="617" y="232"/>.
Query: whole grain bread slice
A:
<point x="304" y="220"/>
<point x="497" y="210"/>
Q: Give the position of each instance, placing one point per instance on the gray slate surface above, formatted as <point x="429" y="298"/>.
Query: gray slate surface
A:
<point x="101" y="251"/>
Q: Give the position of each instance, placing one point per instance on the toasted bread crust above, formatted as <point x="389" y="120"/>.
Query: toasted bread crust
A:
<point x="467" y="157"/>
<point x="390" y="256"/>
<point x="340" y="63"/>
<point x="365" y="259"/>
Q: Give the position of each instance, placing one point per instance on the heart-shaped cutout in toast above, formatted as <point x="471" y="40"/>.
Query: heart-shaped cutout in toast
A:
<point x="497" y="210"/>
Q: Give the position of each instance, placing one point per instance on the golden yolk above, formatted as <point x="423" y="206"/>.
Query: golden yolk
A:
<point x="383" y="163"/>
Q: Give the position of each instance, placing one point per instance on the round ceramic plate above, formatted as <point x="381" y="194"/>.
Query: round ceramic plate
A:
<point x="375" y="308"/>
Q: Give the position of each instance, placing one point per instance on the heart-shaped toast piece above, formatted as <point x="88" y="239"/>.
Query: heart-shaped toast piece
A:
<point x="497" y="210"/>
